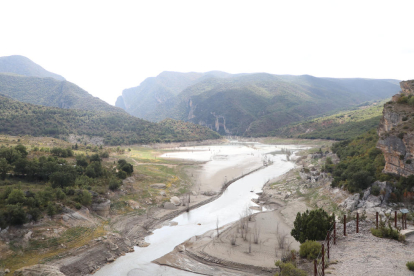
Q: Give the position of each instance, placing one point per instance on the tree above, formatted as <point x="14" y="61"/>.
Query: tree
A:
<point x="81" y="161"/>
<point x="16" y="196"/>
<point x="4" y="168"/>
<point x="312" y="225"/>
<point x="15" y="214"/>
<point x="65" y="177"/>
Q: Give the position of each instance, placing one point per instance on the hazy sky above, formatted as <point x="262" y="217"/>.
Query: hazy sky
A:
<point x="107" y="46"/>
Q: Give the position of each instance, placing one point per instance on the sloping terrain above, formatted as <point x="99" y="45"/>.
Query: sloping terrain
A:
<point x="342" y="125"/>
<point x="143" y="99"/>
<point x="17" y="118"/>
<point x="251" y="104"/>
<point x="21" y="65"/>
<point x="51" y="92"/>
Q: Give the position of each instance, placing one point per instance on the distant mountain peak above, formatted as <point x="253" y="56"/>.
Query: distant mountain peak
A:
<point x="22" y="65"/>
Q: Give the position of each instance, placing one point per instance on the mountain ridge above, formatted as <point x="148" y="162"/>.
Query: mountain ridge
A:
<point x="253" y="104"/>
<point x="21" y="65"/>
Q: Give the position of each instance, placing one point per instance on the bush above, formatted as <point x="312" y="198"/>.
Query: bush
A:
<point x="312" y="225"/>
<point x="289" y="269"/>
<point x="387" y="232"/>
<point x="310" y="250"/>
<point x="121" y="174"/>
<point x="85" y="198"/>
<point x="114" y="184"/>
<point x="410" y="265"/>
<point x="16" y="196"/>
<point x="15" y="214"/>
<point x="375" y="190"/>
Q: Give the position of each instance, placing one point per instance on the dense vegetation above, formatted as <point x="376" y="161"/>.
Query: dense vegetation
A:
<point x="23" y="66"/>
<point x="59" y="179"/>
<point x="18" y="118"/>
<point x="362" y="164"/>
<point x="251" y="104"/>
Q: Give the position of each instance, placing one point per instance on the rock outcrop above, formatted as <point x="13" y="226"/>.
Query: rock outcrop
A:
<point x="102" y="208"/>
<point x="396" y="132"/>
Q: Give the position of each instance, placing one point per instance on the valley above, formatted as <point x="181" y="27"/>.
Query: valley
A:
<point x="197" y="173"/>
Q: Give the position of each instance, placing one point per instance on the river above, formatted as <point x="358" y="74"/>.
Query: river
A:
<point x="226" y="208"/>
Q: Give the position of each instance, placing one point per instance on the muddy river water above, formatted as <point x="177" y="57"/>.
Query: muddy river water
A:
<point x="226" y="208"/>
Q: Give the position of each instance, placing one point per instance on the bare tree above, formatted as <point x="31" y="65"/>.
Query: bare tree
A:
<point x="233" y="239"/>
<point x="217" y="227"/>
<point x="250" y="243"/>
<point x="256" y="234"/>
<point x="281" y="238"/>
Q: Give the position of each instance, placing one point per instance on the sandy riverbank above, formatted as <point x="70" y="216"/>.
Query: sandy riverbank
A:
<point x="267" y="240"/>
<point x="128" y="230"/>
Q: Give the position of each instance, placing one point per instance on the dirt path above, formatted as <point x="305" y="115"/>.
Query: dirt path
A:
<point x="365" y="254"/>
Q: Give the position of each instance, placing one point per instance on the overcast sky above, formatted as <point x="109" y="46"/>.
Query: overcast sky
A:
<point x="107" y="46"/>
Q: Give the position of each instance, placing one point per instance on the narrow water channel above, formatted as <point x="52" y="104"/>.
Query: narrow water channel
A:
<point x="226" y="208"/>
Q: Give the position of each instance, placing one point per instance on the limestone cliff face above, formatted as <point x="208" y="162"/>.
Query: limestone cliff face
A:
<point x="396" y="132"/>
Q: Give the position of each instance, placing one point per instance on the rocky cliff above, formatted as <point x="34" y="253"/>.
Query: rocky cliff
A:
<point x="396" y="131"/>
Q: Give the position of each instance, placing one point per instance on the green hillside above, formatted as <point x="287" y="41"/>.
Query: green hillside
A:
<point x="50" y="92"/>
<point x="259" y="104"/>
<point x="17" y="118"/>
<point x="143" y="99"/>
<point x="341" y="125"/>
<point x="23" y="66"/>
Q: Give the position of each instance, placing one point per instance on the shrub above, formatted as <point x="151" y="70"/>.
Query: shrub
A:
<point x="84" y="197"/>
<point x="16" y="196"/>
<point x="401" y="135"/>
<point x="375" y="190"/>
<point x="78" y="205"/>
<point x="408" y="161"/>
<point x="402" y="100"/>
<point x="312" y="225"/>
<point x="16" y="214"/>
<point x="310" y="250"/>
<point x="410" y="265"/>
<point x="114" y="184"/>
<point x="289" y="269"/>
<point x="104" y="154"/>
<point x="411" y="101"/>
<point x="121" y="174"/>
<point x="384" y="231"/>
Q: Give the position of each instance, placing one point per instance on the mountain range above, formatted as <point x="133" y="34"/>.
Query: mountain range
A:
<point x="247" y="104"/>
<point x="36" y="102"/>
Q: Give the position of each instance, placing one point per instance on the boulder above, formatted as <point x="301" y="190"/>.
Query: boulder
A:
<point x="209" y="193"/>
<point x="158" y="186"/>
<point x="384" y="188"/>
<point x="175" y="200"/>
<point x="180" y="248"/>
<point x="142" y="243"/>
<point x="350" y="203"/>
<point x="112" y="246"/>
<point x="133" y="204"/>
<point x="102" y="209"/>
<point x="169" y="206"/>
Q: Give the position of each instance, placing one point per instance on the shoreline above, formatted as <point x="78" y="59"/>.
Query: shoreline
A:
<point x="220" y="253"/>
<point x="91" y="258"/>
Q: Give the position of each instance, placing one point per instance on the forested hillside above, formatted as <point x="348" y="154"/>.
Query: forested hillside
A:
<point x="252" y="104"/>
<point x="17" y="118"/>
<point x="21" y="65"/>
